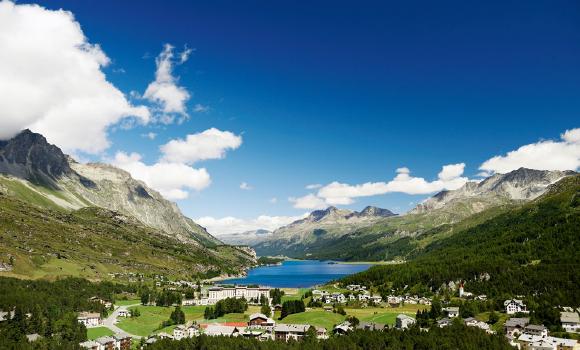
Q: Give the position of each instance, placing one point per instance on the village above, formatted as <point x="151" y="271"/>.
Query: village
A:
<point x="328" y="311"/>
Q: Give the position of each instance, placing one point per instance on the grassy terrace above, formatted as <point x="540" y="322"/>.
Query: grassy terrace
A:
<point x="94" y="333"/>
<point x="152" y="316"/>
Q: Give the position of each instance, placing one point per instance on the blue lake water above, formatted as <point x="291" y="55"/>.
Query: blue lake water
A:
<point x="297" y="274"/>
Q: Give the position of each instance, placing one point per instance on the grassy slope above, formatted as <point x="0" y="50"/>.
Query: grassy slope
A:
<point x="94" y="333"/>
<point x="529" y="249"/>
<point x="92" y="242"/>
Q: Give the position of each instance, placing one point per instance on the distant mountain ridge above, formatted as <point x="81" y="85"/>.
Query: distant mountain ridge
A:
<point x="330" y="223"/>
<point x="518" y="185"/>
<point x="71" y="185"/>
<point x="378" y="234"/>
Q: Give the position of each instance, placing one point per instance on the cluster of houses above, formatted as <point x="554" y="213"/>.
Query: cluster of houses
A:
<point x="118" y="341"/>
<point x="395" y="300"/>
<point x="259" y="326"/>
<point x="361" y="295"/>
<point x="526" y="336"/>
<point x="216" y="294"/>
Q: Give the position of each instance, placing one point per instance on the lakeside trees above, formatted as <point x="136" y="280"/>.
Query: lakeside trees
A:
<point x="225" y="306"/>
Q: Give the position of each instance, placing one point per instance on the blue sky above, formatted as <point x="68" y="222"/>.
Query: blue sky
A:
<point x="346" y="92"/>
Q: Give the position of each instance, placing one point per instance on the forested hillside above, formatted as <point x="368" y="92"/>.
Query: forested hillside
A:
<point x="532" y="251"/>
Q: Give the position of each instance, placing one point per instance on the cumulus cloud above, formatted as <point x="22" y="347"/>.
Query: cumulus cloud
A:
<point x="310" y="201"/>
<point x="245" y="186"/>
<point x="563" y="154"/>
<point x="336" y="193"/>
<point x="229" y="224"/>
<point x="51" y="80"/>
<point x="164" y="91"/>
<point x="172" y="180"/>
<point x="173" y="175"/>
<point x="209" y="144"/>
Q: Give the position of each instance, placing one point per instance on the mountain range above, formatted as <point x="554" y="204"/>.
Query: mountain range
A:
<point x="40" y="174"/>
<point x="378" y="234"/>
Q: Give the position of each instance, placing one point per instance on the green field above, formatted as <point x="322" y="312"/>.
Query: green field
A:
<point x="383" y="315"/>
<point x="152" y="316"/>
<point x="316" y="318"/>
<point x="94" y="333"/>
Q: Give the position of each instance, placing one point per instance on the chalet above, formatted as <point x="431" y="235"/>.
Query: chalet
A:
<point x="164" y="335"/>
<point x="90" y="344"/>
<point x="106" y="343"/>
<point x="535" y="342"/>
<point x="89" y="319"/>
<point x="188" y="302"/>
<point x="259" y="319"/>
<point x="452" y="311"/>
<point x="444" y="322"/>
<point x="33" y="337"/>
<point x="403" y="321"/>
<point x="514" y="306"/>
<point x="122" y="341"/>
<point x="342" y="328"/>
<point x="371" y="326"/>
<point x="193" y="330"/>
<point x="376" y="299"/>
<point x="215" y="330"/>
<point x="570" y="321"/>
<point x="286" y="332"/>
<point x="278" y="307"/>
<point x="538" y="330"/>
<point x="103" y="302"/>
<point x="180" y="332"/>
<point x="123" y="313"/>
<point x="321" y="333"/>
<point x="251" y="333"/>
<point x="515" y="325"/>
<point x="472" y="322"/>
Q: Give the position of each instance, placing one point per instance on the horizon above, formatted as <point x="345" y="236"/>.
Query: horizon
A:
<point x="254" y="116"/>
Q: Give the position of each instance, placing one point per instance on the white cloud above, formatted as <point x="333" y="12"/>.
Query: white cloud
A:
<point x="229" y="224"/>
<point x="313" y="186"/>
<point x="245" y="186"/>
<point x="199" y="108"/>
<point x="164" y="90"/>
<point x="310" y="201"/>
<point x="149" y="135"/>
<point x="543" y="155"/>
<point x="172" y="180"/>
<point x="273" y="200"/>
<point x="337" y="193"/>
<point x="51" y="80"/>
<point x="210" y="144"/>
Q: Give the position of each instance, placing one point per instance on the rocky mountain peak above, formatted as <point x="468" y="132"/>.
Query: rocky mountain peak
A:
<point x="29" y="156"/>
<point x="517" y="185"/>
<point x="371" y="211"/>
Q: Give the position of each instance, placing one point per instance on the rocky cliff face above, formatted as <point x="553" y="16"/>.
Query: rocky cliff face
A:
<point x="28" y="157"/>
<point x="519" y="185"/>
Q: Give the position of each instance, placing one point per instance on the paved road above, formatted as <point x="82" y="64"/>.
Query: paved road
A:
<point x="110" y="321"/>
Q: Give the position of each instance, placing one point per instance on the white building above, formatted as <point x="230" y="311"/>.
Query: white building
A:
<point x="216" y="294"/>
<point x="535" y="342"/>
<point x="403" y="321"/>
<point x="89" y="319"/>
<point x="513" y="306"/>
<point x="570" y="321"/>
<point x="452" y="311"/>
